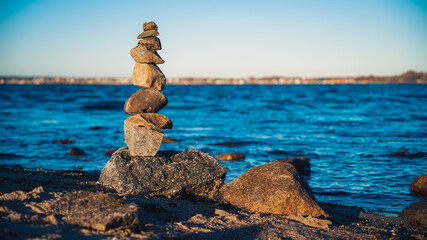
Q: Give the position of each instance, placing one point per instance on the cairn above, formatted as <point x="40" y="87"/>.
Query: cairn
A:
<point x="143" y="134"/>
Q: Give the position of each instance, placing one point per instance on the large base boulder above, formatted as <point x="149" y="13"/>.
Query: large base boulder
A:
<point x="275" y="188"/>
<point x="416" y="213"/>
<point x="190" y="172"/>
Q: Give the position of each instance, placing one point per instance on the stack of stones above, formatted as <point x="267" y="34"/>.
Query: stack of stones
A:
<point x="143" y="134"/>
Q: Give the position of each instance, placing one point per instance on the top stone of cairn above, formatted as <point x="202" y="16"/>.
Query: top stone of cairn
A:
<point x="149" y="26"/>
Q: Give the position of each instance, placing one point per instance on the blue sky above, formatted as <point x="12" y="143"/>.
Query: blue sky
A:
<point x="307" y="38"/>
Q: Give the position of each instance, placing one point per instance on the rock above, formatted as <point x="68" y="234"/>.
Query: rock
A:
<point x="145" y="101"/>
<point x="149" y="26"/>
<point x="148" y="76"/>
<point x="275" y="188"/>
<point x="230" y="156"/>
<point x="410" y="155"/>
<point x="188" y="173"/>
<point x="149" y="33"/>
<point x="151" y="43"/>
<point x="110" y="153"/>
<point x="419" y="186"/>
<point x="142" y="54"/>
<point x="142" y="141"/>
<point x="95" y="210"/>
<point x="170" y="140"/>
<point x="228" y="144"/>
<point x="76" y="151"/>
<point x="63" y="141"/>
<point x="301" y="164"/>
<point x="416" y="213"/>
<point x="153" y="121"/>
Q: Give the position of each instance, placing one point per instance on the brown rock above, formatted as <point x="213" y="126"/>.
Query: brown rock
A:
<point x="64" y="141"/>
<point x="230" y="156"/>
<point x="169" y="140"/>
<point x="110" y="153"/>
<point x="228" y="144"/>
<point x="76" y="151"/>
<point x="145" y="101"/>
<point x="151" y="43"/>
<point x="275" y="188"/>
<point x="142" y="141"/>
<point x="153" y="121"/>
<point x="142" y="54"/>
<point x="149" y="33"/>
<point x="149" y="26"/>
<point x="419" y="186"/>
<point x="300" y="163"/>
<point x="95" y="210"/>
<point x="148" y="76"/>
<point x="416" y="213"/>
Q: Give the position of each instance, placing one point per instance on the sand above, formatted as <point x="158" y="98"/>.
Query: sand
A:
<point x="29" y="198"/>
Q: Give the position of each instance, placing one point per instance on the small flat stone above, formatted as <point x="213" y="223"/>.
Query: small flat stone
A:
<point x="148" y="76"/>
<point x="149" y="33"/>
<point x="140" y="140"/>
<point x="145" y="101"/>
<point x="151" y="43"/>
<point x="153" y="121"/>
<point x="142" y="54"/>
<point x="149" y="26"/>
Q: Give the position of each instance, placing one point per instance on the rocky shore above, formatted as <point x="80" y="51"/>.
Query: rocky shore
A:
<point x="61" y="204"/>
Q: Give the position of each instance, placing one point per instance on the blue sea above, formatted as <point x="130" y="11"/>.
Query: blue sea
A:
<point x="352" y="133"/>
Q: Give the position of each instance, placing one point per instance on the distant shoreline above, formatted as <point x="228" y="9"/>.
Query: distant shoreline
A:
<point x="407" y="77"/>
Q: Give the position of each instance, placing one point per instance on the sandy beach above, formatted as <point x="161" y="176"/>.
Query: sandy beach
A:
<point x="53" y="204"/>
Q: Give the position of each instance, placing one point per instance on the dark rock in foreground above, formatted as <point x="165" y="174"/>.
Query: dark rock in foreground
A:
<point x="275" y="188"/>
<point x="190" y="172"/>
<point x="95" y="210"/>
<point x="419" y="186"/>
<point x="416" y="213"/>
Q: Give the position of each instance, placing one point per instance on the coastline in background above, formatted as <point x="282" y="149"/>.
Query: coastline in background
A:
<point x="407" y="77"/>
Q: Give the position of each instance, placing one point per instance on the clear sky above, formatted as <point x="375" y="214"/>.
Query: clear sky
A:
<point x="221" y="38"/>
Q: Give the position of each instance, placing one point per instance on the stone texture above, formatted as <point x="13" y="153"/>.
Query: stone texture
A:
<point x="149" y="26"/>
<point x="151" y="43"/>
<point x="153" y="121"/>
<point x="275" y="188"/>
<point x="416" y="213"/>
<point x="188" y="173"/>
<point x="149" y="33"/>
<point x="142" y="54"/>
<point x="301" y="164"/>
<point x="145" y="101"/>
<point x="230" y="156"/>
<point x="148" y="76"/>
<point x="95" y="210"/>
<point x="142" y="141"/>
<point x="419" y="186"/>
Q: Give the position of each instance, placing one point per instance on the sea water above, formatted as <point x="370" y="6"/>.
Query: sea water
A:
<point x="351" y="133"/>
